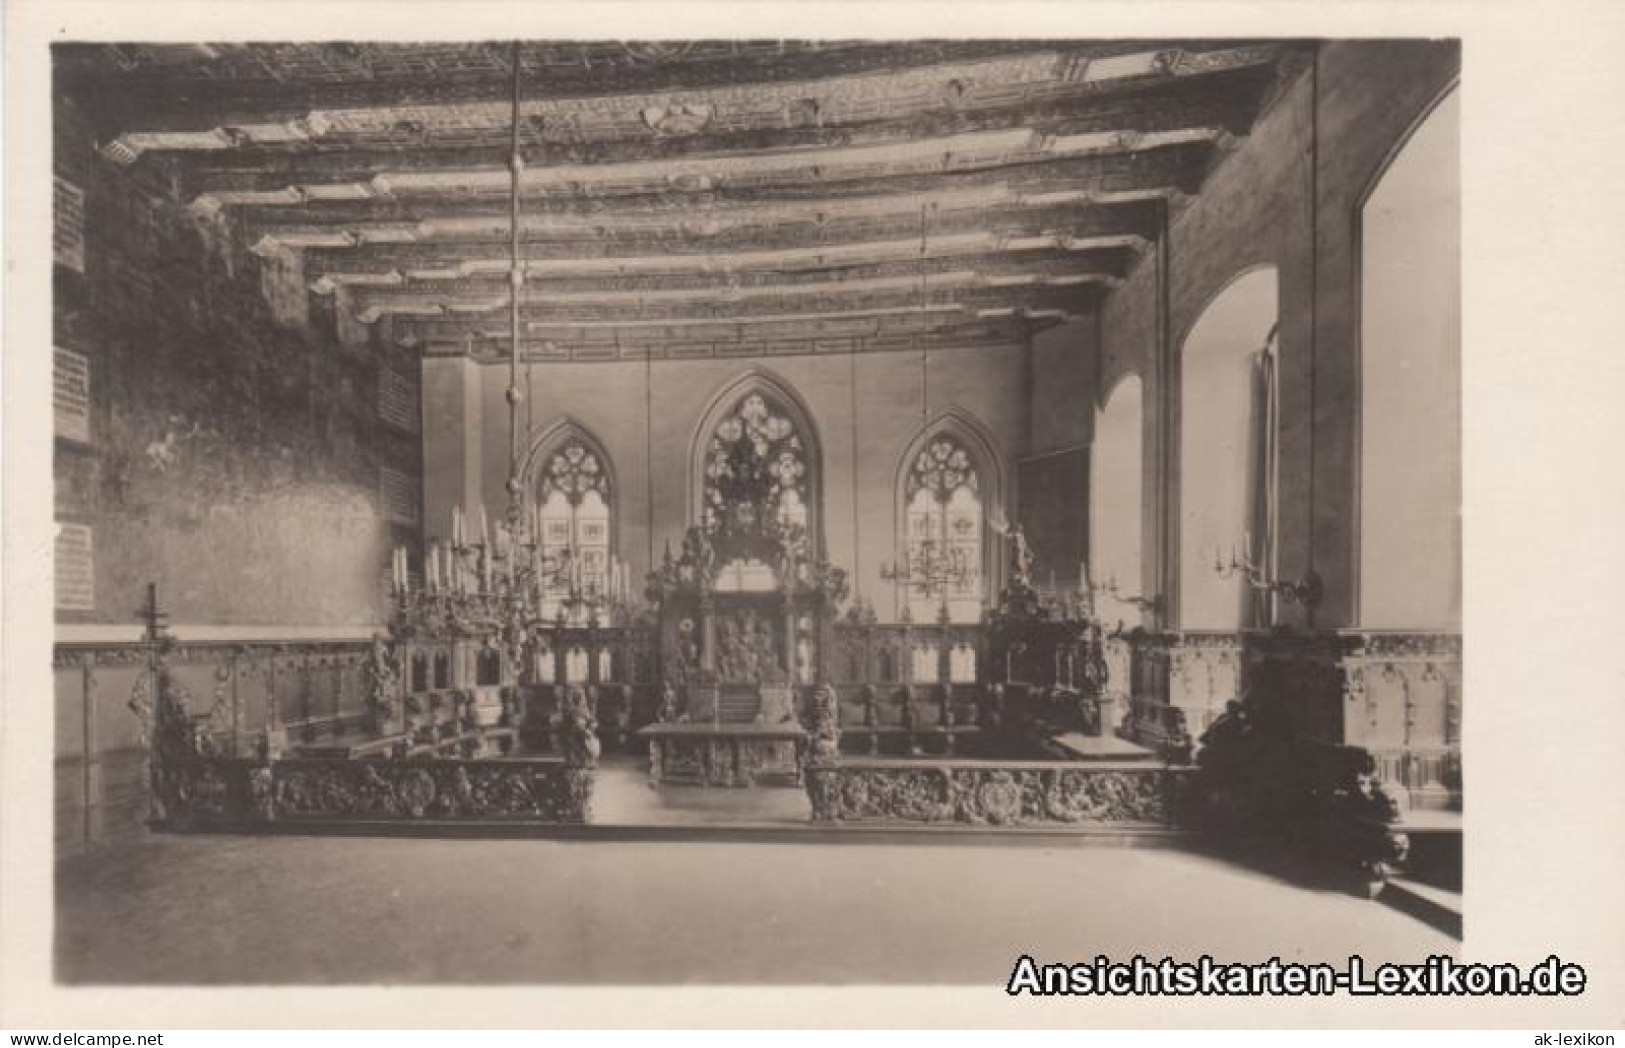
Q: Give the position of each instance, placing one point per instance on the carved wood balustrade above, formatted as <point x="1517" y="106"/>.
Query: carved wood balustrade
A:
<point x="306" y="691"/>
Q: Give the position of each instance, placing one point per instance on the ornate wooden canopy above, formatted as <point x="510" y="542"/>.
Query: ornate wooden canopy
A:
<point x="686" y="198"/>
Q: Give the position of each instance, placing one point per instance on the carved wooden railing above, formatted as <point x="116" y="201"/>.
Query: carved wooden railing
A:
<point x="995" y="792"/>
<point x="201" y="793"/>
<point x="1122" y="794"/>
<point x="308" y="694"/>
<point x="317" y="687"/>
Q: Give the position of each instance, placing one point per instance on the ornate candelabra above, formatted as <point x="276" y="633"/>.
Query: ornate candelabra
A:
<point x="1153" y="603"/>
<point x="934" y="567"/>
<point x="1306" y="591"/>
<point x="500" y="581"/>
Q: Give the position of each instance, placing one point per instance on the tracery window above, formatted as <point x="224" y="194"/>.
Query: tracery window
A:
<point x="574" y="493"/>
<point x="943" y="536"/>
<point x="756" y="467"/>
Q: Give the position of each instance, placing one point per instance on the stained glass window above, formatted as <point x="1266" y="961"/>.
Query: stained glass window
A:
<point x="944" y="533"/>
<point x="756" y="466"/>
<point x="575" y="517"/>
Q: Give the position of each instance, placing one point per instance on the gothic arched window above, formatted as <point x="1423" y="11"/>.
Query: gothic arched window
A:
<point x="943" y="532"/>
<point x="756" y="467"/>
<point x="573" y="492"/>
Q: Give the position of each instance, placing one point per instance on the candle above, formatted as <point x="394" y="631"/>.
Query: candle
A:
<point x="457" y="525"/>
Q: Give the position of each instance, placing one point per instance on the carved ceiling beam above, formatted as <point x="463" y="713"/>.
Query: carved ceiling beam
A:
<point x="709" y="233"/>
<point x="963" y="290"/>
<point x="656" y="213"/>
<point x="463" y="330"/>
<point x="1107" y="261"/>
<point x="1227" y="101"/>
<point x="1078" y="219"/>
<point x="901" y="257"/>
<point x="953" y="94"/>
<point x="792" y="333"/>
<point x="236" y="84"/>
<point x="1108" y="179"/>
<point x="957" y="160"/>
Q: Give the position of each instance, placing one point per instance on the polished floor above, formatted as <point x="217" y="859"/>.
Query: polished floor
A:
<point x="313" y="910"/>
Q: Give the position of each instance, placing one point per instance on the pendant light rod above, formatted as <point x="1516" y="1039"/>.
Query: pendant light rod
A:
<point x="516" y="280"/>
<point x="925" y="400"/>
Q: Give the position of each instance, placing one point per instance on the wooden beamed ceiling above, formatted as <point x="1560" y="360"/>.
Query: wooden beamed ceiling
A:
<point x="700" y="197"/>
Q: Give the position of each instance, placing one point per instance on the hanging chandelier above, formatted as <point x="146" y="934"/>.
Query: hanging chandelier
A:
<point x="500" y="581"/>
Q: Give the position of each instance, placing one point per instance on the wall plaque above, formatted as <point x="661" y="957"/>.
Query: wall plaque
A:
<point x="68" y="225"/>
<point x="75" y="568"/>
<point x="397" y="496"/>
<point x="397" y="400"/>
<point x="71" y="395"/>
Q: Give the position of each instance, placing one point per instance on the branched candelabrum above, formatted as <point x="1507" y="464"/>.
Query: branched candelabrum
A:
<point x="478" y="586"/>
<point x="934" y="568"/>
<point x="1305" y="591"/>
<point x="1153" y="604"/>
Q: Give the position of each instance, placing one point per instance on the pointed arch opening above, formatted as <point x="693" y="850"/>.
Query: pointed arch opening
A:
<point x="757" y="471"/>
<point x="570" y="488"/>
<point x="950" y="503"/>
<point x="1409" y="560"/>
<point x="1227" y="453"/>
<point x="1117" y="513"/>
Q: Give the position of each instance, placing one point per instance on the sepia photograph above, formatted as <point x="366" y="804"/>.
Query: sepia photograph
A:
<point x="823" y="510"/>
<point x="746" y="478"/>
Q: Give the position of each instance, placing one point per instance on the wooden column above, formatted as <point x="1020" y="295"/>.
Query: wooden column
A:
<point x="708" y="634"/>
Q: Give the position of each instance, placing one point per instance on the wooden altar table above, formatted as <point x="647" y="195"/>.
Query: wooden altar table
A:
<point x="726" y="754"/>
